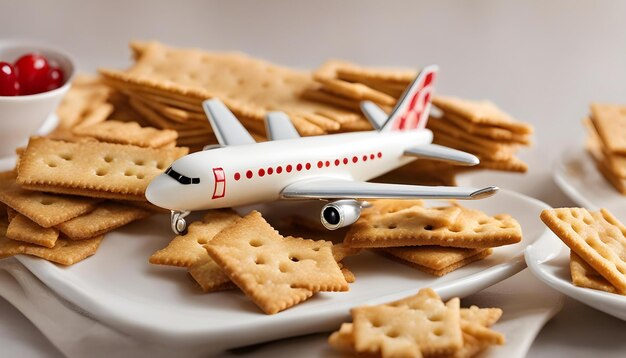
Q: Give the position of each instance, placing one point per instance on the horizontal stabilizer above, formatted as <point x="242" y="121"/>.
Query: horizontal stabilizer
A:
<point x="438" y="152"/>
<point x="345" y="189"/>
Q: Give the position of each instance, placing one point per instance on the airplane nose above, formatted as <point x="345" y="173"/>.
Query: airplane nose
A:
<point x="162" y="192"/>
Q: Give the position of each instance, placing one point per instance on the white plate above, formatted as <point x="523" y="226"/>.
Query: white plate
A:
<point x="548" y="260"/>
<point x="576" y="174"/>
<point x="119" y="288"/>
<point x="525" y="313"/>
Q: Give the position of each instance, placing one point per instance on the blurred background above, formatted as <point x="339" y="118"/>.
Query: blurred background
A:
<point x="542" y="62"/>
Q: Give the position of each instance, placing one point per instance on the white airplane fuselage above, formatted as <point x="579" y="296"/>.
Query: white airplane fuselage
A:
<point x="255" y="173"/>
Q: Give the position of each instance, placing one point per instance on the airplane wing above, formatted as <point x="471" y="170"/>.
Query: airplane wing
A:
<point x="278" y="126"/>
<point x="439" y="152"/>
<point x="374" y="114"/>
<point x="227" y="128"/>
<point x="345" y="189"/>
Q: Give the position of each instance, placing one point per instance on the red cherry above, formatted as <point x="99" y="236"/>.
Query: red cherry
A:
<point x="9" y="86"/>
<point x="32" y="73"/>
<point x="55" y="79"/>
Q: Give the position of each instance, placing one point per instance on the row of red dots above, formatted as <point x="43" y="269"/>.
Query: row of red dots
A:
<point x="320" y="164"/>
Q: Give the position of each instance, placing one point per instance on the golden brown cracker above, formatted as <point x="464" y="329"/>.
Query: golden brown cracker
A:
<point x="45" y="209"/>
<point x="104" y="170"/>
<point x="614" y="162"/>
<point x="106" y="217"/>
<point x="421" y="324"/>
<point x="471" y="229"/>
<point x="128" y="133"/>
<point x="435" y="260"/>
<point x="326" y="74"/>
<point x="248" y="86"/>
<point x="209" y="276"/>
<point x="584" y="275"/>
<point x="274" y="271"/>
<point x="440" y="127"/>
<point x="486" y="131"/>
<point x="23" y="229"/>
<point x="610" y="121"/>
<point x="65" y="252"/>
<point x="481" y="112"/>
<point x="97" y="115"/>
<point x="187" y="249"/>
<point x="596" y="237"/>
<point x="392" y="76"/>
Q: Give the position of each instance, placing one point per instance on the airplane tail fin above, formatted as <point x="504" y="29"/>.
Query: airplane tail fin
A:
<point x="413" y="108"/>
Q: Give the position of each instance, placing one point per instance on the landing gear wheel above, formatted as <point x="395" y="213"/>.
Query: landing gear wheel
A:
<point x="178" y="222"/>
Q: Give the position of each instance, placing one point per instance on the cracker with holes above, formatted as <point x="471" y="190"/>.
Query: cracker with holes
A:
<point x="598" y="238"/>
<point x="185" y="250"/>
<point x="451" y="227"/>
<point x="102" y="170"/>
<point x="415" y="326"/>
<point x="276" y="272"/>
<point x="47" y="210"/>
<point x="65" y="252"/>
<point x="209" y="276"/>
<point x="435" y="260"/>
<point x="474" y="325"/>
<point x="106" y="217"/>
<point x="23" y="229"/>
<point x="128" y="133"/>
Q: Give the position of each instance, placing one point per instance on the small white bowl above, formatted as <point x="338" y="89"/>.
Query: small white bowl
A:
<point x="22" y="116"/>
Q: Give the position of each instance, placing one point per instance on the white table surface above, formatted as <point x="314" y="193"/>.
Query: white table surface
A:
<point x="541" y="61"/>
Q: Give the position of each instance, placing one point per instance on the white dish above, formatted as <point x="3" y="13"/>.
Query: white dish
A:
<point x="548" y="260"/>
<point x="576" y="174"/>
<point x="525" y="313"/>
<point x="48" y="126"/>
<point x="22" y="115"/>
<point x="119" y="288"/>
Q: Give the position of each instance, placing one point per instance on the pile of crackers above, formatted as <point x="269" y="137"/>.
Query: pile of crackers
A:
<point x="224" y="251"/>
<point x="477" y="127"/>
<point x="606" y="142"/>
<point x="64" y="195"/>
<point x="418" y="326"/>
<point x="436" y="240"/>
<point x="167" y="86"/>
<point x="597" y="241"/>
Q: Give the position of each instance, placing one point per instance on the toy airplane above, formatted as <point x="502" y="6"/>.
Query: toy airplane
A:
<point x="333" y="168"/>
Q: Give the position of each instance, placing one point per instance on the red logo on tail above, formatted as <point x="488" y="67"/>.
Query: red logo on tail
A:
<point x="415" y="106"/>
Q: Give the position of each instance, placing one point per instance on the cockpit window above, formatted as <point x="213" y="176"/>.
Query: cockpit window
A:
<point x="181" y="178"/>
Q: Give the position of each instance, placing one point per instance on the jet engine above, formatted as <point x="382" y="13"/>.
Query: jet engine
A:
<point x="340" y="213"/>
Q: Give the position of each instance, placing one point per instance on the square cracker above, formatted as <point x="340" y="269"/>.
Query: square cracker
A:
<point x="420" y="324"/>
<point x="45" y="209"/>
<point x="471" y="229"/>
<point x="435" y="260"/>
<point x="209" y="276"/>
<point x="584" y="275"/>
<point x="106" y="217"/>
<point x="598" y="238"/>
<point x="343" y="339"/>
<point x="615" y="162"/>
<point x="65" y="252"/>
<point x="23" y="229"/>
<point x="128" y="133"/>
<point x="185" y="250"/>
<point x="610" y="121"/>
<point x="102" y="170"/>
<point x="481" y="112"/>
<point x="486" y="131"/>
<point x="275" y="272"/>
